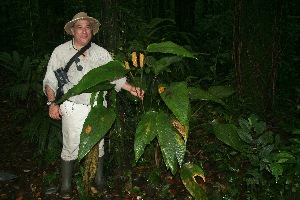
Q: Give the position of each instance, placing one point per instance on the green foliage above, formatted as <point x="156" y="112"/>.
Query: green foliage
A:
<point x="262" y="152"/>
<point x="94" y="128"/>
<point x="96" y="79"/>
<point x="46" y="132"/>
<point x="26" y="91"/>
<point x="26" y="75"/>
<point x="169" y="124"/>
<point x="145" y="133"/>
<point x="245" y="144"/>
<point x="169" y="47"/>
<point x="214" y="93"/>
<point x="21" y="74"/>
<point x="181" y="109"/>
<point x="227" y="133"/>
<point x="188" y="174"/>
<point x="171" y="143"/>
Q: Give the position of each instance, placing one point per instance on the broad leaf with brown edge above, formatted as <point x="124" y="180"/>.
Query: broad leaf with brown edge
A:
<point x="188" y="174"/>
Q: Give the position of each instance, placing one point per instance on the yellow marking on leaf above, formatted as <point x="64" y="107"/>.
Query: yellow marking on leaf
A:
<point x="88" y="129"/>
<point x="148" y="128"/>
<point x="180" y="128"/>
<point x="161" y="89"/>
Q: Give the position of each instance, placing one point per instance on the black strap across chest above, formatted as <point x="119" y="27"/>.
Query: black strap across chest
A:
<point x="80" y="52"/>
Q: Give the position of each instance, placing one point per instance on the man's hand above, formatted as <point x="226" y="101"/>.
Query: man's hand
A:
<point x="55" y="112"/>
<point x="136" y="91"/>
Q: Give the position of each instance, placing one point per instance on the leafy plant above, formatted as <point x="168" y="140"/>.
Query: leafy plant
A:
<point x="26" y="75"/>
<point x="168" y="122"/>
<point x="260" y="148"/>
<point x="26" y="93"/>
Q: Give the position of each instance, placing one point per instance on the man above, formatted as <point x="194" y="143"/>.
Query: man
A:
<point x="74" y="111"/>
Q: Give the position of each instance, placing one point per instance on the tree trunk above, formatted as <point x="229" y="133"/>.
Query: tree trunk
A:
<point x="256" y="52"/>
<point x="185" y="14"/>
<point x="109" y="29"/>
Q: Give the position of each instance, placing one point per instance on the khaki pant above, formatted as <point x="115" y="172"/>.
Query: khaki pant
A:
<point x="73" y="119"/>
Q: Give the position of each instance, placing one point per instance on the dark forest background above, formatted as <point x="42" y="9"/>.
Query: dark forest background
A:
<point x="250" y="46"/>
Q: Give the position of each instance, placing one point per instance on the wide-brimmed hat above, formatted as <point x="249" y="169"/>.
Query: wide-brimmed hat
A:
<point x="94" y="23"/>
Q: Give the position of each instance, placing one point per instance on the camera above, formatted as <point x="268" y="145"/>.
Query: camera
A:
<point x="62" y="79"/>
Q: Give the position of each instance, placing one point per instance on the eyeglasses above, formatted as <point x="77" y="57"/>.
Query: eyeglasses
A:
<point x="79" y="67"/>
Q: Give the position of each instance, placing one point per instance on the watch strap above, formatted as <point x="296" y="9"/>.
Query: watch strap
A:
<point x="49" y="103"/>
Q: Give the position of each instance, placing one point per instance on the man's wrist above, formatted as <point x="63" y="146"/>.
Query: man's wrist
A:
<point x="49" y="103"/>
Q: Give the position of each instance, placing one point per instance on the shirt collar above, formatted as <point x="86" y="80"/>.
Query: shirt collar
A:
<point x="71" y="46"/>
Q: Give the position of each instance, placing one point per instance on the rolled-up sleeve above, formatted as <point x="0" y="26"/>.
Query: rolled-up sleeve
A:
<point x="119" y="83"/>
<point x="103" y="57"/>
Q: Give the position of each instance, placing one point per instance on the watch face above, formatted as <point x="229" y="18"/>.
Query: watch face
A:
<point x="49" y="103"/>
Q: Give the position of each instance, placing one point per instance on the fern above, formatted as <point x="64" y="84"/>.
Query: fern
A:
<point x="46" y="133"/>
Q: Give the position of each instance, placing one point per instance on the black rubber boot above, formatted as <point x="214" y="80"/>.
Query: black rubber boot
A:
<point x="66" y="173"/>
<point x="99" y="178"/>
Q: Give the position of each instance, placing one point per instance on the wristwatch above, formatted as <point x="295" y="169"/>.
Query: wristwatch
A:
<point x="49" y="103"/>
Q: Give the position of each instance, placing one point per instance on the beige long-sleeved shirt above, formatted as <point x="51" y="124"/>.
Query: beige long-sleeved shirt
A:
<point x="96" y="56"/>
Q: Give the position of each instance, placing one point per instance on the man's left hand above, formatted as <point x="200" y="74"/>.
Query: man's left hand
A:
<point x="138" y="92"/>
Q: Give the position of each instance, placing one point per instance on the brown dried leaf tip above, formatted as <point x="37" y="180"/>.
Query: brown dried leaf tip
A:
<point x="180" y="128"/>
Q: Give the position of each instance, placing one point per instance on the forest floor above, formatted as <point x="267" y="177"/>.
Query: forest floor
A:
<point x="23" y="177"/>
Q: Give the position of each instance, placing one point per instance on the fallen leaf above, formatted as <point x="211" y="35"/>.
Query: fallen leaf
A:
<point x="38" y="194"/>
<point x="20" y="196"/>
<point x="94" y="190"/>
<point x="17" y="187"/>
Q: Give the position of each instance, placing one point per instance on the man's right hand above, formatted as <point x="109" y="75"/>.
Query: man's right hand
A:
<point x="55" y="112"/>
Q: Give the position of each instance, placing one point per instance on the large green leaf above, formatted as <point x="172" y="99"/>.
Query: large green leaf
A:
<point x="180" y="146"/>
<point x="154" y="22"/>
<point x="104" y="86"/>
<point x="285" y="157"/>
<point x="164" y="24"/>
<point x="176" y="98"/>
<point x="276" y="170"/>
<point x="245" y="136"/>
<point x="6" y="60"/>
<point x="96" y="125"/>
<point x="266" y="138"/>
<point x="199" y="94"/>
<point x="221" y="91"/>
<point x="227" y="133"/>
<point x="169" y="47"/>
<point x="170" y="141"/>
<point x="16" y="59"/>
<point x="13" y="63"/>
<point x="259" y="126"/>
<point x="26" y="69"/>
<point x="146" y="131"/>
<point x="266" y="151"/>
<point x="188" y="174"/>
<point x="101" y="74"/>
<point x="163" y="63"/>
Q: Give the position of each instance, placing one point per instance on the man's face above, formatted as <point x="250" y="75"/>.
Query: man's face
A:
<point x="82" y="32"/>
